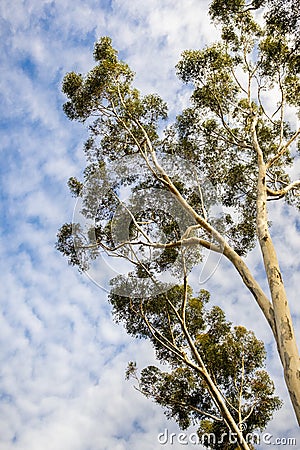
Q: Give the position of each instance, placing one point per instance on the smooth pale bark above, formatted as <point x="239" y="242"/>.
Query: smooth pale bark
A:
<point x="285" y="336"/>
<point x="236" y="433"/>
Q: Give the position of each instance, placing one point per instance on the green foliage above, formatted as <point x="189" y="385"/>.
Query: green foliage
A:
<point x="87" y="94"/>
<point x="284" y="15"/>
<point x="233" y="356"/>
<point x="210" y="69"/>
<point x="66" y="245"/>
<point x="75" y="186"/>
<point x="103" y="51"/>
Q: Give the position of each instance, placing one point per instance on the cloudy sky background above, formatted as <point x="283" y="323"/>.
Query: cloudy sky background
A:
<point x="63" y="360"/>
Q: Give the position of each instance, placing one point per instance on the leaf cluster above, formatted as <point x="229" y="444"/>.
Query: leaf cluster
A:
<point x="233" y="356"/>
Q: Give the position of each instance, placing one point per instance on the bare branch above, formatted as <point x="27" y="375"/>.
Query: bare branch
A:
<point x="282" y="192"/>
<point x="200" y="411"/>
<point x="249" y="414"/>
<point x="282" y="149"/>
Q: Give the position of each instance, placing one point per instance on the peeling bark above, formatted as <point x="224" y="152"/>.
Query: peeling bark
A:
<point x="284" y="335"/>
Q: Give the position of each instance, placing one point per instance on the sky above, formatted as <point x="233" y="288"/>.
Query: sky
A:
<point x="62" y="358"/>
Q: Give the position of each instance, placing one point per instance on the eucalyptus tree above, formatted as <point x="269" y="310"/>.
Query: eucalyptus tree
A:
<point x="157" y="197"/>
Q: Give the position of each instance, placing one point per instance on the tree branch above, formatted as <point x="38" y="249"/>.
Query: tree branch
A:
<point x="282" y="150"/>
<point x="282" y="192"/>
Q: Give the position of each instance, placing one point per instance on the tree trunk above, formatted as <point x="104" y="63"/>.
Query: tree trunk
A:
<point x="285" y="336"/>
